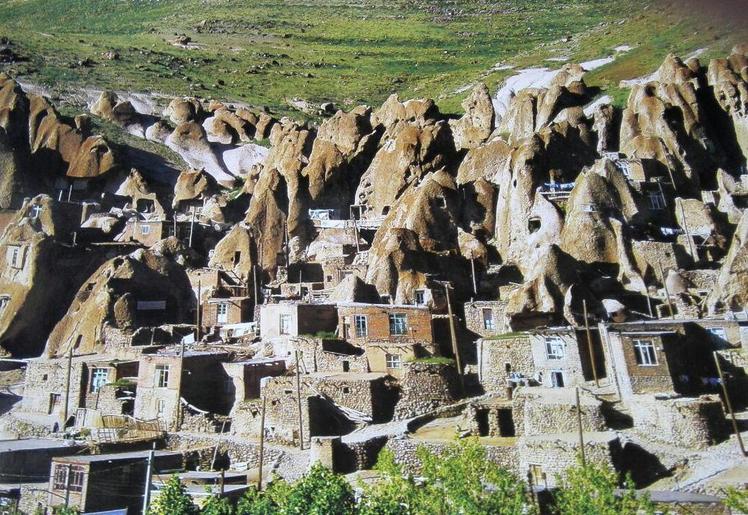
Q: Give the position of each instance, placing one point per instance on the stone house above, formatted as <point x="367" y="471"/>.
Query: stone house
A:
<point x="332" y="404"/>
<point x="247" y="375"/>
<point x="667" y="357"/>
<point x="102" y="482"/>
<point x="390" y="334"/>
<point x="485" y="317"/>
<point x="539" y="410"/>
<point x="504" y="361"/>
<point x="280" y="322"/>
<point x="197" y="377"/>
<point x="329" y="355"/>
<point x="99" y="385"/>
<point x="150" y="232"/>
<point x="561" y="357"/>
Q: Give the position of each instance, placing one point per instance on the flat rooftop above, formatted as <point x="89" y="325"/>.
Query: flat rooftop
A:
<point x="35" y="443"/>
<point x="91" y="458"/>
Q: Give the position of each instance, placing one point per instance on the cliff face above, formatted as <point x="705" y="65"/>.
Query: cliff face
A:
<point x="552" y="202"/>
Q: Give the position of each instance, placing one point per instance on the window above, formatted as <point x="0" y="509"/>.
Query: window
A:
<point x="557" y="379"/>
<point x="398" y="324"/>
<point x="55" y="399"/>
<point x="624" y="167"/>
<point x="555" y="348"/>
<point x="420" y="297"/>
<point x="718" y="333"/>
<point x="645" y="353"/>
<point x="488" y="324"/>
<point x="99" y="377"/>
<point x="285" y="324"/>
<point x="15" y="256"/>
<point x="361" y="325"/>
<point x="61" y="482"/>
<point x="162" y="376"/>
<point x="4" y="300"/>
<point x="537" y="474"/>
<point x="222" y="312"/>
<point x="160" y="407"/>
<point x="145" y="229"/>
<point x="393" y="360"/>
<point x="656" y="200"/>
<point x="36" y="210"/>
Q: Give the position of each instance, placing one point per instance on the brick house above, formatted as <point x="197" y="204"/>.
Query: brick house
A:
<point x="390" y="334"/>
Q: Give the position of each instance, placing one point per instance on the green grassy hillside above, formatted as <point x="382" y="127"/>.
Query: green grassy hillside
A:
<point x="268" y="52"/>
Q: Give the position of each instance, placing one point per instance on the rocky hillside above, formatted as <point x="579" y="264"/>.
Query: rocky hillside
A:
<point x="556" y="200"/>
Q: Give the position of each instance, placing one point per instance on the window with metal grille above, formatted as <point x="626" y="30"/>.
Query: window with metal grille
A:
<point x="398" y="324"/>
<point x="555" y="348"/>
<point x="420" y="297"/>
<point x="393" y="360"/>
<point x="656" y="200"/>
<point x="361" y="326"/>
<point x="285" y="324"/>
<point x="99" y="378"/>
<point x="645" y="353"/>
<point x="162" y="376"/>
<point x="61" y="477"/>
<point x="488" y="324"/>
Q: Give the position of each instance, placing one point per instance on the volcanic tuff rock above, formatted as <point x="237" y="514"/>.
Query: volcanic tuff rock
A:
<point x="116" y="295"/>
<point x="476" y="125"/>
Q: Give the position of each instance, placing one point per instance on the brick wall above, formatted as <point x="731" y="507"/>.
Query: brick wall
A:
<point x="418" y="323"/>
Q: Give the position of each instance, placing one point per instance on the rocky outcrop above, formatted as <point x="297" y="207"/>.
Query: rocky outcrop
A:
<point x="731" y="289"/>
<point x="127" y="292"/>
<point x="476" y="125"/>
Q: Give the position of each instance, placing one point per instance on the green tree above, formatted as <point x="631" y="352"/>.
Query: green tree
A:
<point x="319" y="492"/>
<point x="737" y="499"/>
<point x="458" y="480"/>
<point x="216" y="505"/>
<point x="254" y="502"/>
<point x="173" y="500"/>
<point x="591" y="490"/>
<point x="65" y="510"/>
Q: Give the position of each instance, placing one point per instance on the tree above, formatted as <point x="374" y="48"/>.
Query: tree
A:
<point x="458" y="480"/>
<point x="65" y="510"/>
<point x="173" y="500"/>
<point x="737" y="499"/>
<point x="591" y="490"/>
<point x="319" y="492"/>
<point x="216" y="505"/>
<point x="254" y="502"/>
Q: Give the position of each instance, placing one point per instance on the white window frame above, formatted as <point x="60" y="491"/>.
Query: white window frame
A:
<point x="284" y="324"/>
<point x="99" y="377"/>
<point x="361" y="330"/>
<point x="15" y="256"/>
<point x="557" y="373"/>
<point x="645" y="352"/>
<point x="36" y="210"/>
<point x="222" y="312"/>
<point x="145" y="229"/>
<point x="161" y="379"/>
<point x="555" y="348"/>
<point x="488" y="322"/>
<point x="398" y="324"/>
<point x="393" y="361"/>
<point x="419" y="293"/>
<point x="4" y="301"/>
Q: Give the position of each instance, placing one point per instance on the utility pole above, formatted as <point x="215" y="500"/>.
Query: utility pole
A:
<point x="667" y="293"/>
<point x="192" y="226"/>
<point x="453" y="336"/>
<point x="221" y="481"/>
<point x="199" y="309"/>
<point x="262" y="442"/>
<point x="148" y="477"/>
<point x="67" y="389"/>
<point x="472" y="268"/>
<point x="729" y="405"/>
<point x="685" y="228"/>
<point x="579" y="428"/>
<point x="298" y="400"/>
<point x="589" y="343"/>
<point x="649" y="302"/>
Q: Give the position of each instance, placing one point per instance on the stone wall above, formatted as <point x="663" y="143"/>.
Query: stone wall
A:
<point x="476" y="322"/>
<point x="331" y="356"/>
<point x="495" y="355"/>
<point x="553" y="410"/>
<point x="405" y="450"/>
<point x="552" y="454"/>
<point x="681" y="421"/>
<point x="426" y="387"/>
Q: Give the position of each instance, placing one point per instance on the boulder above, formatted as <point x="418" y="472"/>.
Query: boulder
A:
<point x="476" y="125"/>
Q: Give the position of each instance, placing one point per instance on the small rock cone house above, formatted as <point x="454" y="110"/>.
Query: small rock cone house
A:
<point x="387" y="278"/>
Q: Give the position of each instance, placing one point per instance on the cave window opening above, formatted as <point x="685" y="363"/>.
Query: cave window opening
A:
<point x="533" y="225"/>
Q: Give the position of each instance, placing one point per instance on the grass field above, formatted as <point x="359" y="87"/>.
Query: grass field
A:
<point x="269" y="52"/>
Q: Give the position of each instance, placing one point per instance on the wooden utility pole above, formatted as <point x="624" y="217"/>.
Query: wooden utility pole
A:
<point x="649" y="302"/>
<point x="453" y="335"/>
<point x="729" y="405"/>
<point x="472" y="268"/>
<point x="298" y="400"/>
<point x="67" y="389"/>
<point x="198" y="311"/>
<point x="685" y="228"/>
<point x="192" y="226"/>
<point x="262" y="442"/>
<point x="579" y="428"/>
<point x="221" y="481"/>
<point x="148" y="477"/>
<point x="589" y="343"/>
<point x="667" y="292"/>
